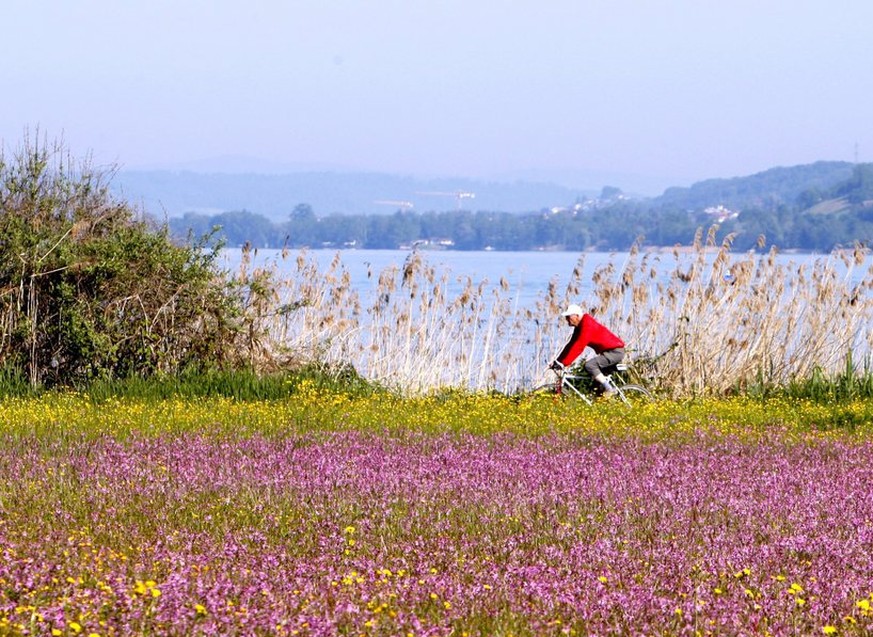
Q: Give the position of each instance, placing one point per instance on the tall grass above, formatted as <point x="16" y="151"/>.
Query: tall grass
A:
<point x="243" y="385"/>
<point x="720" y="322"/>
<point x="850" y="384"/>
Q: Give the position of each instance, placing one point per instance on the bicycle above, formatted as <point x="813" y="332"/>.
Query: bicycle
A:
<point x="579" y="384"/>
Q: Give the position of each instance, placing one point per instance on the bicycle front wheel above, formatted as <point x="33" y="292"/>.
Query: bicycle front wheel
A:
<point x="635" y="395"/>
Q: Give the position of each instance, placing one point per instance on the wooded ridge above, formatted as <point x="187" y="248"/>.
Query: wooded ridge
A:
<point x="785" y="206"/>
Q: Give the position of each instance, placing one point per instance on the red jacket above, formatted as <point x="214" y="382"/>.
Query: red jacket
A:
<point x="589" y="333"/>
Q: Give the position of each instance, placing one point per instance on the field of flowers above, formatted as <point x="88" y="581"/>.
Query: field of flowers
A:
<point x="453" y="515"/>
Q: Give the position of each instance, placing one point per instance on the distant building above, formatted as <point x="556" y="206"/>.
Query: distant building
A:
<point x="721" y="213"/>
<point x="432" y="244"/>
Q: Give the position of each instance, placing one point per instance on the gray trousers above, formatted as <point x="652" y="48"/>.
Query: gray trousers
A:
<point x="596" y="364"/>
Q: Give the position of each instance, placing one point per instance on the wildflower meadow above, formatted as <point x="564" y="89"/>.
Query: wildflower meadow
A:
<point x="328" y="514"/>
<point x="412" y="484"/>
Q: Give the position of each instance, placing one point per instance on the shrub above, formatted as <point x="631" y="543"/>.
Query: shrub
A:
<point x="90" y="289"/>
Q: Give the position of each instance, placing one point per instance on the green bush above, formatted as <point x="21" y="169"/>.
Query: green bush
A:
<point x="91" y="289"/>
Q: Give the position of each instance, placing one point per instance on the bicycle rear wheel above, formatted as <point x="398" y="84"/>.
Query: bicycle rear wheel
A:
<point x="635" y="395"/>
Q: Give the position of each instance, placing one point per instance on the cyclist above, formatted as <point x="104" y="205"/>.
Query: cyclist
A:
<point x="587" y="332"/>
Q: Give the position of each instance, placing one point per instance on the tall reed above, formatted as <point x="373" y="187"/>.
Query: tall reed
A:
<point x="721" y="322"/>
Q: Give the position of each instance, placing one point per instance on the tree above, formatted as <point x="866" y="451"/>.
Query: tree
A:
<point x="610" y="192"/>
<point x="302" y="226"/>
<point x="808" y="198"/>
<point x="190" y="225"/>
<point x="243" y="227"/>
<point x="341" y="230"/>
<point x="404" y="228"/>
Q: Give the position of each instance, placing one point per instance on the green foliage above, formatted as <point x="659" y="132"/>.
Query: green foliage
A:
<point x="13" y="383"/>
<point x="851" y="384"/>
<point x="767" y="189"/>
<point x="90" y="290"/>
<point x="847" y="386"/>
<point x="238" y="384"/>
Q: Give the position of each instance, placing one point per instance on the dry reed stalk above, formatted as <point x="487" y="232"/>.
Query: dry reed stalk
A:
<point x="719" y="321"/>
<point x="765" y="323"/>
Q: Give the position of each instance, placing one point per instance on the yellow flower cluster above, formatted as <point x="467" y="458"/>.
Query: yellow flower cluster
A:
<point x="313" y="409"/>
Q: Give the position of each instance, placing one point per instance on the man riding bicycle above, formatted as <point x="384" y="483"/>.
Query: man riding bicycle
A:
<point x="587" y="332"/>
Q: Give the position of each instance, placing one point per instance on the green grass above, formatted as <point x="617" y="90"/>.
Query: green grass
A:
<point x="849" y="386"/>
<point x="244" y="385"/>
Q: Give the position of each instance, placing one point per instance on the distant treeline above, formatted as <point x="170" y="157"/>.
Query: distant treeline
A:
<point x="818" y="219"/>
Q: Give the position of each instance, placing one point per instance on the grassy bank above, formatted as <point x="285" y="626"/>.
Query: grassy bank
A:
<point x="313" y="407"/>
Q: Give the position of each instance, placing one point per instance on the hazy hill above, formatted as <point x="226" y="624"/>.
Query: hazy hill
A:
<point x="275" y="195"/>
<point x="783" y="185"/>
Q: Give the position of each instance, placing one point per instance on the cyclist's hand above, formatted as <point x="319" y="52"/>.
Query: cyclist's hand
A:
<point x="556" y="366"/>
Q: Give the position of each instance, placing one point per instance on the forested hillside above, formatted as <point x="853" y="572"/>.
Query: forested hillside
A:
<point x="771" y="187"/>
<point x="816" y="207"/>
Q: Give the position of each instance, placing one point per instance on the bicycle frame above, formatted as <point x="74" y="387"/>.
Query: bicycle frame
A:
<point x="566" y="383"/>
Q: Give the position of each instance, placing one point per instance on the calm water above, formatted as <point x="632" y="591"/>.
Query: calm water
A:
<point x="528" y="273"/>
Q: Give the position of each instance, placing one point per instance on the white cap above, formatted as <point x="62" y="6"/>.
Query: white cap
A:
<point x="573" y="309"/>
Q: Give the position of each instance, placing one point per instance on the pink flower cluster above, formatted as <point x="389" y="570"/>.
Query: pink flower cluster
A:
<point x="405" y="533"/>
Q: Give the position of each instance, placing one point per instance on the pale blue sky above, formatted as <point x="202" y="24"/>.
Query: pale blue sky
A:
<point x="639" y="94"/>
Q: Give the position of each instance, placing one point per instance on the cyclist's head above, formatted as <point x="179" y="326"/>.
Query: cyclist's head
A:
<point x="573" y="314"/>
<point x="572" y="309"/>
